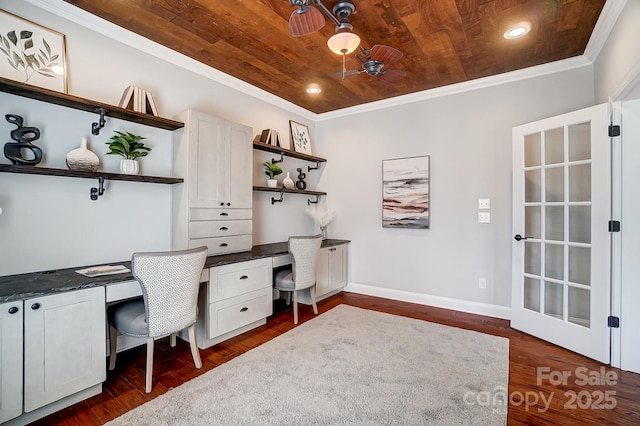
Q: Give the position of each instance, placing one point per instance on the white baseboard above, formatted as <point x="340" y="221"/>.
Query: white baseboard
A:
<point x="485" y="309"/>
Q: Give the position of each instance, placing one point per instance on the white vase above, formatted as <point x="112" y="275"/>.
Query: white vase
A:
<point x="83" y="159"/>
<point x="128" y="167"/>
<point x="272" y="183"/>
<point x="288" y="182"/>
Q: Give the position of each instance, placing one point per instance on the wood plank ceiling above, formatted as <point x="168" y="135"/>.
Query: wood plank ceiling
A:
<point x="443" y="41"/>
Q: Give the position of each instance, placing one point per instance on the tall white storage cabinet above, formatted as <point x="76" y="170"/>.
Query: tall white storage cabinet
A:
<point x="10" y="360"/>
<point x="213" y="206"/>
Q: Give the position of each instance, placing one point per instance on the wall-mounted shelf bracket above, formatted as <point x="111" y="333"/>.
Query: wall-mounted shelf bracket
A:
<point x="309" y="168"/>
<point x="309" y="202"/>
<point x="95" y="127"/>
<point x="97" y="192"/>
<point x="273" y="200"/>
<point x="274" y="161"/>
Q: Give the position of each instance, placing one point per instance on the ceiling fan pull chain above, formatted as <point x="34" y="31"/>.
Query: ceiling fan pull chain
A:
<point x="344" y="65"/>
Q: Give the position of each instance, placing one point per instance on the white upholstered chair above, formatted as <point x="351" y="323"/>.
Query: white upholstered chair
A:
<point x="302" y="275"/>
<point x="170" y="282"/>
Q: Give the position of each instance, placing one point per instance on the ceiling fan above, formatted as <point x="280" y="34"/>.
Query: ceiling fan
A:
<point x="373" y="62"/>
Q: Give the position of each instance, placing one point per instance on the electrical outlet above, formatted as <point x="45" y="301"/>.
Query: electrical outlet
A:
<point x="484" y="203"/>
<point x="482" y="283"/>
<point x="484" y="217"/>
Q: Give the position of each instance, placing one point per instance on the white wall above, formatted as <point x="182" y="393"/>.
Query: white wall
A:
<point x="50" y="222"/>
<point x="468" y="137"/>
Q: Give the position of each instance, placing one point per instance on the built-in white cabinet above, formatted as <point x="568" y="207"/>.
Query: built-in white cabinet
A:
<point x="237" y="298"/>
<point x="213" y="207"/>
<point x="11" y="325"/>
<point x="331" y="273"/>
<point x="64" y="345"/>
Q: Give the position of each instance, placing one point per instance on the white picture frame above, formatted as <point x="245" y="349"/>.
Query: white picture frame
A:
<point x="300" y="138"/>
<point x="32" y="54"/>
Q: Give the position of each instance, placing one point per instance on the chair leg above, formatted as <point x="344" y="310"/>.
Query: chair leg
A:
<point x="172" y="340"/>
<point x="113" y="342"/>
<point x="287" y="298"/>
<point x="295" y="306"/>
<point x="312" y="296"/>
<point x="149" y="372"/>
<point x="194" y="346"/>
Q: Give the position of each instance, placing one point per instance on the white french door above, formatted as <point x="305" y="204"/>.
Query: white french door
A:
<point x="561" y="246"/>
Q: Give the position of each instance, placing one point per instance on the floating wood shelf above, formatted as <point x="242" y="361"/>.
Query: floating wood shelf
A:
<point x="51" y="96"/>
<point x="35" y="170"/>
<point x="282" y="191"/>
<point x="287" y="152"/>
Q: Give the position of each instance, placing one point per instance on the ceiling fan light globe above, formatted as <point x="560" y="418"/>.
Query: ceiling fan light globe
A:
<point x="343" y="43"/>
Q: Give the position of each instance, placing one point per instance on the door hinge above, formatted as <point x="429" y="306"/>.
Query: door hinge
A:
<point x="614" y="226"/>
<point x="614" y="130"/>
<point x="613" y="322"/>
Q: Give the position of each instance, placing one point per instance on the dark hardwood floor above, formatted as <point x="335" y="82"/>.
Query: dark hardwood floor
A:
<point x="593" y="394"/>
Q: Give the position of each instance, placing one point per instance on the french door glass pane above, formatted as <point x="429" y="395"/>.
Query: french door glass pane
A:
<point x="554" y="184"/>
<point x="580" y="142"/>
<point x="532" y="221"/>
<point x="554" y="146"/>
<point x="532" y="258"/>
<point x="580" y="182"/>
<point x="579" y="305"/>
<point x="554" y="261"/>
<point x="580" y="224"/>
<point x="531" y="294"/>
<point x="553" y="299"/>
<point x="580" y="265"/>
<point x="533" y="186"/>
<point x="532" y="150"/>
<point x="554" y="223"/>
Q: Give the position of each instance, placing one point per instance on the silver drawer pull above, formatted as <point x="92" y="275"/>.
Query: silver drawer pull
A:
<point x="224" y="245"/>
<point x="224" y="228"/>
<point x="244" y="277"/>
<point x="245" y="309"/>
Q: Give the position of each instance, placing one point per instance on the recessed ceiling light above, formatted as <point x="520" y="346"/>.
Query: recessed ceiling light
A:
<point x="314" y="89"/>
<point x="517" y="31"/>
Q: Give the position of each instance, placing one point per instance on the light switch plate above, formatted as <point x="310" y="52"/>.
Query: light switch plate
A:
<point x="484" y="217"/>
<point x="484" y="203"/>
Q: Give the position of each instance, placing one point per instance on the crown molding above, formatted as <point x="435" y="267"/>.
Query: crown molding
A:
<point x="606" y="21"/>
<point x="106" y="28"/>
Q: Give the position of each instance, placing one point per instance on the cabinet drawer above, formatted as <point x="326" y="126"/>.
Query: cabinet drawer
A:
<point x="220" y="245"/>
<point x="219" y="214"/>
<point x="215" y="228"/>
<point x="122" y="291"/>
<point x="230" y="314"/>
<point x="235" y="279"/>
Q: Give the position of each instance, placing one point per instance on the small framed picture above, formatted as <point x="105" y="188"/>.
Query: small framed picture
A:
<point x="32" y="54"/>
<point x="300" y="138"/>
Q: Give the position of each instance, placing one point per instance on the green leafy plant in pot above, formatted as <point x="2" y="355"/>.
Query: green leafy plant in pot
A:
<point x="272" y="170"/>
<point x="128" y="146"/>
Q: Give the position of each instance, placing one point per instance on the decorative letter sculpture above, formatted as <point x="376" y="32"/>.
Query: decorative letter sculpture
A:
<point x="301" y="184"/>
<point x="24" y="136"/>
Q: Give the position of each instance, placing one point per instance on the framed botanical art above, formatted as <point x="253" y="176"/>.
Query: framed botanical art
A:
<point x="32" y="54"/>
<point x="405" y="193"/>
<point x="300" y="138"/>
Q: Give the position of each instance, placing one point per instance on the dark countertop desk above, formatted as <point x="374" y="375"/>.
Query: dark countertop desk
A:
<point x="35" y="284"/>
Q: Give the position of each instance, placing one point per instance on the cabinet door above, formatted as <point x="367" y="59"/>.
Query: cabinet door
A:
<point x="208" y="165"/>
<point x="240" y="159"/>
<point x="64" y="345"/>
<point x="10" y="360"/>
<point x="323" y="273"/>
<point x="337" y="267"/>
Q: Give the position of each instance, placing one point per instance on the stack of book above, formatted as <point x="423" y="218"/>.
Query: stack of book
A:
<point x="138" y="100"/>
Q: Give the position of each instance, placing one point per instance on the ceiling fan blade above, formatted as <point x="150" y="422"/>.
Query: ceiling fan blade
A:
<point x="385" y="54"/>
<point x="390" y="76"/>
<point x="305" y="20"/>
<point x="346" y="73"/>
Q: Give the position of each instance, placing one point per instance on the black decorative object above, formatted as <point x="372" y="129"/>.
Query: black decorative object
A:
<point x="23" y="137"/>
<point x="301" y="184"/>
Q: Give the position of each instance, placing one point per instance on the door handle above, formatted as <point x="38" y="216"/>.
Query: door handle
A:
<point x="519" y="237"/>
<point x="13" y="310"/>
<point x="244" y="277"/>
<point x="224" y="228"/>
<point x="35" y="306"/>
<point x="245" y="309"/>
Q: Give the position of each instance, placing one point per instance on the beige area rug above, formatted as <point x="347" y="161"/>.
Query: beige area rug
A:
<point x="347" y="366"/>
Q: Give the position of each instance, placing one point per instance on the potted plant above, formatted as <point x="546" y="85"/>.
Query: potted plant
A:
<point x="272" y="170"/>
<point x="129" y="147"/>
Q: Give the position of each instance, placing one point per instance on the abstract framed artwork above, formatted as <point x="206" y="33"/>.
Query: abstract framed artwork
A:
<point x="300" y="138"/>
<point x="405" y="193"/>
<point x="32" y="54"/>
